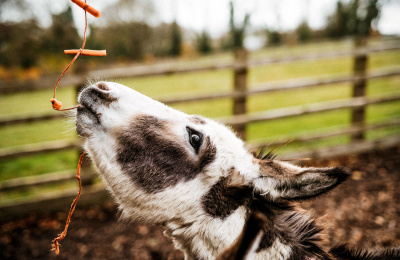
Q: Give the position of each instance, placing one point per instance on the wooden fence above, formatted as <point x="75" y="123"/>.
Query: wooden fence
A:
<point x="93" y="193"/>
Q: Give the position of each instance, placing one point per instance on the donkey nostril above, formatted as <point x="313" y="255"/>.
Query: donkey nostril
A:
<point x="102" y="86"/>
<point x="102" y="91"/>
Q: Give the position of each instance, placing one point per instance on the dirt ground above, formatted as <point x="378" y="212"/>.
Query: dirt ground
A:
<point x="364" y="211"/>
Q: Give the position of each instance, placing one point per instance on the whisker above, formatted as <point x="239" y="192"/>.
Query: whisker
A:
<point x="299" y="159"/>
<point x="272" y="154"/>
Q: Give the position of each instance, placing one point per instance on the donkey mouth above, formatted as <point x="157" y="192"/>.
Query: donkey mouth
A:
<point x="87" y="119"/>
<point x="91" y="101"/>
<point x="88" y="111"/>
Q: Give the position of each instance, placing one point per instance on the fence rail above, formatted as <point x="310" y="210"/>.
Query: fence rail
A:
<point x="307" y="109"/>
<point x="240" y="118"/>
<point x="40" y="148"/>
<point x="262" y="88"/>
<point x="167" y="69"/>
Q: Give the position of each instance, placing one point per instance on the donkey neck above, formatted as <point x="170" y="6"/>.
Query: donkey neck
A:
<point x="205" y="237"/>
<point x="292" y="230"/>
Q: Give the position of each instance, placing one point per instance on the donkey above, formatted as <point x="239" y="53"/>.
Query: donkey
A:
<point x="195" y="178"/>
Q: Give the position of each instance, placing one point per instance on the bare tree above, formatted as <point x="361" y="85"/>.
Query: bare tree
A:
<point x="356" y="17"/>
<point x="237" y="32"/>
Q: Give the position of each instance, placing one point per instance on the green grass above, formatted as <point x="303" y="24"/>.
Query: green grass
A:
<point x="34" y="102"/>
<point x="23" y="194"/>
<point x="190" y="84"/>
<point x="38" y="164"/>
<point x="183" y="84"/>
<point x="37" y="132"/>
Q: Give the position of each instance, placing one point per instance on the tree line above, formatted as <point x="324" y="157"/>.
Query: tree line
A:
<point x="356" y="18"/>
<point x="25" y="44"/>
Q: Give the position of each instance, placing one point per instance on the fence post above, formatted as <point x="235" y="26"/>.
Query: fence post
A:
<point x="240" y="89"/>
<point x="87" y="174"/>
<point x="359" y="86"/>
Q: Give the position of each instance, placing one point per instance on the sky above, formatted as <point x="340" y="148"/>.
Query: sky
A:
<point x="213" y="15"/>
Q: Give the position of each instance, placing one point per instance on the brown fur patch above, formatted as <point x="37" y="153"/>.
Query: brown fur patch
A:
<point x="227" y="195"/>
<point x="274" y="168"/>
<point x="154" y="157"/>
<point x="197" y="120"/>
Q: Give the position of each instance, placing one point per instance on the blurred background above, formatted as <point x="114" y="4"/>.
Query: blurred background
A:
<point x="34" y="33"/>
<point x="317" y="79"/>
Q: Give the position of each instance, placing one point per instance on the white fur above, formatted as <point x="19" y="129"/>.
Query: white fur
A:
<point x="278" y="251"/>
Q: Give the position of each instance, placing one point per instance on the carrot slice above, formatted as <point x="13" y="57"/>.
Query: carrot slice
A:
<point x="87" y="52"/>
<point x="87" y="8"/>
<point x="71" y="210"/>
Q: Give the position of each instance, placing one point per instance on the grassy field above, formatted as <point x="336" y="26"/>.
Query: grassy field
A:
<point x="209" y="82"/>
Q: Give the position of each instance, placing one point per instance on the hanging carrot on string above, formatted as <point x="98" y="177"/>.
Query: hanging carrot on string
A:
<point x="57" y="106"/>
<point x="82" y="51"/>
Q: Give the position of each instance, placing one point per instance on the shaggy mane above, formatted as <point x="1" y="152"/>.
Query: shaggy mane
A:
<point x="343" y="252"/>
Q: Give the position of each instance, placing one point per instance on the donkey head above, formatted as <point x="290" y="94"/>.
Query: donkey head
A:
<point x="188" y="173"/>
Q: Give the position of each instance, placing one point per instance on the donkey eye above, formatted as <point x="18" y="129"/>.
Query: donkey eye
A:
<point x="195" y="139"/>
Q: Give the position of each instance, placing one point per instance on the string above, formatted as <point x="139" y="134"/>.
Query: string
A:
<point x="71" y="210"/>
<point x="57" y="104"/>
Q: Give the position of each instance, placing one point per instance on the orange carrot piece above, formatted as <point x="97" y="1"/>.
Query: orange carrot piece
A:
<point x="87" y="52"/>
<point x="56" y="104"/>
<point x="71" y="210"/>
<point x="87" y="8"/>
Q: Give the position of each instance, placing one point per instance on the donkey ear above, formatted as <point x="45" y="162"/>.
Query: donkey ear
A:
<point x="283" y="181"/>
